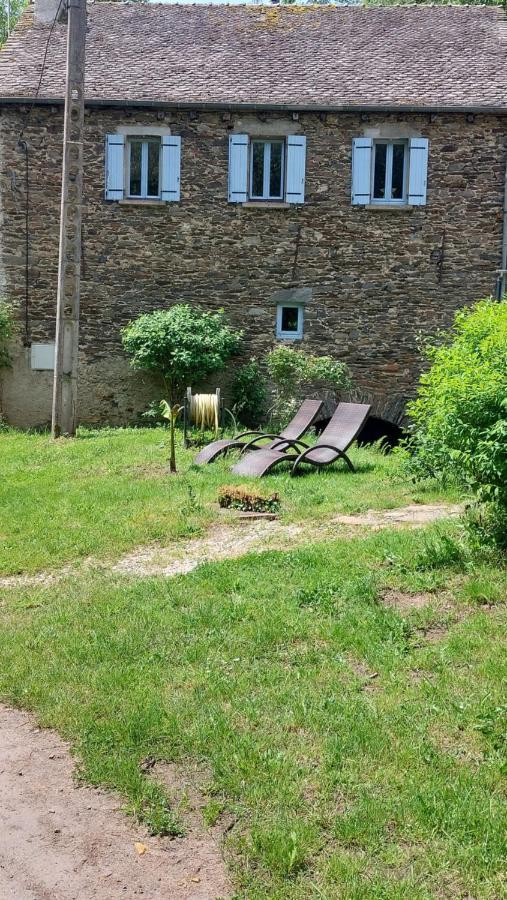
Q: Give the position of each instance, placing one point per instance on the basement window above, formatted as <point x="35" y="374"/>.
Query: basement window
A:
<point x="289" y="321"/>
<point x="389" y="172"/>
<point x="143" y="168"/>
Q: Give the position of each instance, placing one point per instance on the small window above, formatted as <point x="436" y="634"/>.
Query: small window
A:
<point x="289" y="321"/>
<point x="143" y="168"/>
<point x="267" y="170"/>
<point x="389" y="172"/>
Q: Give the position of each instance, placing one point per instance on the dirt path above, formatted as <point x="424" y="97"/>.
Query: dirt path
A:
<point x="62" y="842"/>
<point x="233" y="538"/>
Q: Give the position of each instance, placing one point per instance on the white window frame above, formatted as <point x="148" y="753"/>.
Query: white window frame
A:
<point x="389" y="143"/>
<point x="268" y="142"/>
<point x="289" y="335"/>
<point x="144" y="140"/>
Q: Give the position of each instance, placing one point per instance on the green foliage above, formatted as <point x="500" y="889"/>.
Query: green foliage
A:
<point x="183" y="344"/>
<point x="6" y="332"/>
<point x="294" y="373"/>
<point x="249" y="393"/>
<point x="10" y="11"/>
<point x="459" y="419"/>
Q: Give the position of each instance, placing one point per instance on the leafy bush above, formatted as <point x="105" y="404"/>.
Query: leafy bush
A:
<point x="295" y="373"/>
<point x="6" y="332"/>
<point x="459" y="418"/>
<point x="247" y="499"/>
<point x="183" y="344"/>
<point x="249" y="393"/>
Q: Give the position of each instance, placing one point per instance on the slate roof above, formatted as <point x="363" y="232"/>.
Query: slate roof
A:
<point x="297" y="57"/>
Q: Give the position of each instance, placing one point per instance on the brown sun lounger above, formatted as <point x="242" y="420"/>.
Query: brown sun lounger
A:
<point x="343" y="428"/>
<point x="248" y="440"/>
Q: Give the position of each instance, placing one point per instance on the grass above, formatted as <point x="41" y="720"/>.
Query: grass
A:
<point x="108" y="491"/>
<point x="359" y="751"/>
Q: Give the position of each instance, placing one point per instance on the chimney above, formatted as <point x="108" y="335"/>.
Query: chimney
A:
<point x="45" y="11"/>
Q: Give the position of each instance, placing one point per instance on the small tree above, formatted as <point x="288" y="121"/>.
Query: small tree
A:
<point x="183" y="344"/>
<point x="294" y="372"/>
<point x="459" y="418"/>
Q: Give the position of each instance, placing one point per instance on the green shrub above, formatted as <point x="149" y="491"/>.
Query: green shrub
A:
<point x="459" y="418"/>
<point x="183" y="345"/>
<point x="295" y="373"/>
<point x="249" y="394"/>
<point x="6" y="332"/>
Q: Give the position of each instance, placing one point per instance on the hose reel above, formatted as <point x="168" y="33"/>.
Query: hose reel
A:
<point x="204" y="411"/>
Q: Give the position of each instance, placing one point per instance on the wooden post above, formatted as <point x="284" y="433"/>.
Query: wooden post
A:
<point x="69" y="263"/>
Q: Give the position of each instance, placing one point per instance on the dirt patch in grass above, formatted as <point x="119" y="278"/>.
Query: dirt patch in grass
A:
<point x="191" y="799"/>
<point x="404" y="602"/>
<point x="62" y="841"/>
<point x="368" y="677"/>
<point x="414" y="515"/>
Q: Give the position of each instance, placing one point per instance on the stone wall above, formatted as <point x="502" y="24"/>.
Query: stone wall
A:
<point x="372" y="280"/>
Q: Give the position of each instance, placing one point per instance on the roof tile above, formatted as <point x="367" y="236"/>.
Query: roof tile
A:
<point x="296" y="56"/>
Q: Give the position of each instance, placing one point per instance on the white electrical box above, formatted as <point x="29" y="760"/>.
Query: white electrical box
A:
<point x="43" y="356"/>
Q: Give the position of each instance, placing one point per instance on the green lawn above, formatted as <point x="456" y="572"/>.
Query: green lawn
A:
<point x="359" y="750"/>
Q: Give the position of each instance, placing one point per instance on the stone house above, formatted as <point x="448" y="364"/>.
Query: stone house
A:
<point x="330" y="176"/>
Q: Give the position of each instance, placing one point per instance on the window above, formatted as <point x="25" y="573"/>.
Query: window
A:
<point x="143" y="170"/>
<point x="143" y="167"/>
<point x="262" y="169"/>
<point x="289" y="321"/>
<point x="389" y="171"/>
<point x="267" y="170"/>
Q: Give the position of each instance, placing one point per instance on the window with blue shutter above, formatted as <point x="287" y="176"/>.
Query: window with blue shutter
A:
<point x="268" y="169"/>
<point x="418" y="171"/>
<point x="361" y="170"/>
<point x="170" y="169"/>
<point x="143" y="166"/>
<point x="389" y="171"/>
<point x="115" y="166"/>
<point x="296" y="168"/>
<point x="238" y="168"/>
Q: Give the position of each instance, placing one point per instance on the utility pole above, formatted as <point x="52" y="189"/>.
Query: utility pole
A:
<point x="69" y="262"/>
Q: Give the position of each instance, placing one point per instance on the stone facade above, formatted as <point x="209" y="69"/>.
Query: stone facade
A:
<point x="371" y="279"/>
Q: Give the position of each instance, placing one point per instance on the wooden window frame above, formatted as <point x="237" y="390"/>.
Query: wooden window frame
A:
<point x="289" y="335"/>
<point x="387" y="199"/>
<point x="144" y="141"/>
<point x="266" y="196"/>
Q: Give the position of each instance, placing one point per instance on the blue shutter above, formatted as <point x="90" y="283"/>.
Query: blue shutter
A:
<point x="361" y="170"/>
<point x="115" y="166"/>
<point x="418" y="171"/>
<point x="296" y="165"/>
<point x="238" y="168"/>
<point x="170" y="168"/>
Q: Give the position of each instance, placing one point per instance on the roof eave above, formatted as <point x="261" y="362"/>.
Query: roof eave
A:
<point x="264" y="107"/>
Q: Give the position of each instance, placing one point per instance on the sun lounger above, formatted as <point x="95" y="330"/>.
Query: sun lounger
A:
<point x="343" y="428"/>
